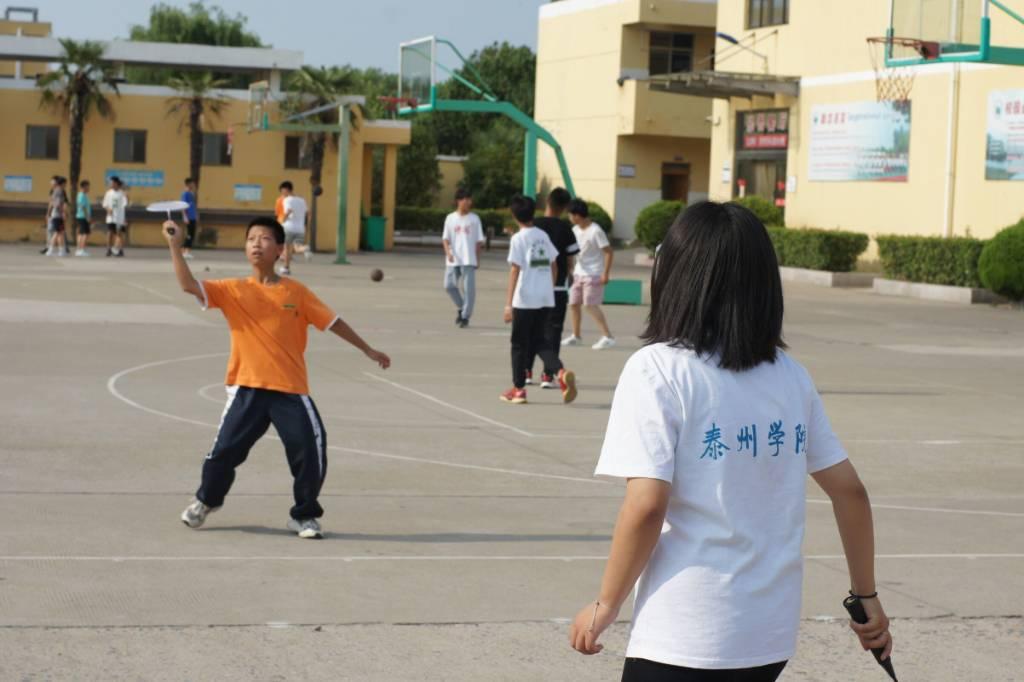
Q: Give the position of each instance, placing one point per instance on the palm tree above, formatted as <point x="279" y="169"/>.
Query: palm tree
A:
<point x="197" y="95"/>
<point x="75" y="89"/>
<point x="312" y="87"/>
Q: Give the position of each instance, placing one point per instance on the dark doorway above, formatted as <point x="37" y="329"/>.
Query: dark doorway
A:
<point x="675" y="181"/>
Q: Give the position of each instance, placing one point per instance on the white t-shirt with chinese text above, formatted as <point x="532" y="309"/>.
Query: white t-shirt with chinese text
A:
<point x="592" y="241"/>
<point x="116" y="203"/>
<point x="722" y="588"/>
<point x="463" y="233"/>
<point x="296" y="221"/>
<point x="531" y="249"/>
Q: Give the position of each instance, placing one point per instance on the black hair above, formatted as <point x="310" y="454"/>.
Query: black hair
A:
<point x="559" y="199"/>
<point x="83" y="183"/>
<point x="61" y="180"/>
<point x="522" y="208"/>
<point x="189" y="181"/>
<point x="579" y="207"/>
<point x="716" y="288"/>
<point x="116" y="180"/>
<point x="270" y="223"/>
<point x="286" y="185"/>
<point x="463" y="193"/>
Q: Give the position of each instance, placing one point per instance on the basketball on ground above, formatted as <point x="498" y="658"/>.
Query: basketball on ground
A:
<point x="376" y="274"/>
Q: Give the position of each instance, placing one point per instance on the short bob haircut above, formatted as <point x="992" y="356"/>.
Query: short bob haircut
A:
<point x="270" y="224"/>
<point x="463" y="193"/>
<point x="716" y="288"/>
<point x="523" y="209"/>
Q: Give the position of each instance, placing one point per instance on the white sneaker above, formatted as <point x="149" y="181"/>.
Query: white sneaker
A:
<point x="308" y="255"/>
<point x="49" y="251"/>
<point x="61" y="253"/>
<point x="572" y="341"/>
<point x="604" y="342"/>
<point x="187" y="256"/>
<point x="306" y="528"/>
<point x="81" y="252"/>
<point x="195" y="513"/>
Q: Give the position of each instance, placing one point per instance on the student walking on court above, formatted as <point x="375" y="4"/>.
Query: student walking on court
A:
<point x="191" y="216"/>
<point x="266" y="378"/>
<point x="294" y="223"/>
<point x="593" y="269"/>
<point x="463" y="239"/>
<point x="56" y="218"/>
<point x="715" y="429"/>
<point x="83" y="218"/>
<point x="529" y="299"/>
<point x="115" y="201"/>
<point x="559" y="230"/>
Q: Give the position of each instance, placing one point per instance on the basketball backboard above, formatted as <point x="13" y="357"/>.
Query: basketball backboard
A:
<point x="259" y="101"/>
<point x="417" y="70"/>
<point x="956" y="31"/>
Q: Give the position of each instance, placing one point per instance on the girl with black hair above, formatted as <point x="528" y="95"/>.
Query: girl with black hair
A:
<point x="715" y="429"/>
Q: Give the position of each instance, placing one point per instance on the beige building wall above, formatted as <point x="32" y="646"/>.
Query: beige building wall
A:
<point x="35" y="29"/>
<point x="452" y="174"/>
<point x="824" y="45"/>
<point x="583" y="48"/>
<point x="258" y="159"/>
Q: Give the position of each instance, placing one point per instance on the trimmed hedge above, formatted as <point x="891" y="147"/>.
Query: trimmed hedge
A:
<point x="599" y="216"/>
<point x="1001" y="265"/>
<point x="767" y="212"/>
<point x="931" y="260"/>
<point x="831" y="250"/>
<point x="432" y="219"/>
<point x="653" y="222"/>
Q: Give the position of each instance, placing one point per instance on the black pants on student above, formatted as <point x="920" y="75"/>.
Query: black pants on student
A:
<point x="642" y="670"/>
<point x="528" y="337"/>
<point x="190" y="234"/>
<point x="553" y="326"/>
<point x="247" y="416"/>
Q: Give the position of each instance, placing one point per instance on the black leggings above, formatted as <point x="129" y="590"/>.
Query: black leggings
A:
<point x="642" y="670"/>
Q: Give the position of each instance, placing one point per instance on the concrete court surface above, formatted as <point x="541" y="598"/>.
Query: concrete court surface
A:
<point x="461" y="532"/>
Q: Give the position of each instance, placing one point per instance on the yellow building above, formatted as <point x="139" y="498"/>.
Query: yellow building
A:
<point x="627" y="145"/>
<point x="149" y="150"/>
<point x="939" y="163"/>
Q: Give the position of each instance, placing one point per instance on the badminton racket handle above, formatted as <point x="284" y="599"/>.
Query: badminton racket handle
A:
<point x="858" y="615"/>
<point x="170" y="231"/>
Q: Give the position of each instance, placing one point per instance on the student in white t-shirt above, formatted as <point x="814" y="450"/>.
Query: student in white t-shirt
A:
<point x="463" y="238"/>
<point x="715" y="429"/>
<point x="592" y="271"/>
<point x="529" y="300"/>
<point x="293" y="220"/>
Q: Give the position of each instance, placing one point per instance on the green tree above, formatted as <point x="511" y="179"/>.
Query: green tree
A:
<point x="198" y="25"/>
<point x="311" y="87"/>
<point x="75" y="89"/>
<point x="197" y="96"/>
<point x="494" y="169"/>
<point x="419" y="177"/>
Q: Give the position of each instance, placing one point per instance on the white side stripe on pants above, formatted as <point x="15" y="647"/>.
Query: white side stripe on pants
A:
<point x="316" y="433"/>
<point x="231" y="391"/>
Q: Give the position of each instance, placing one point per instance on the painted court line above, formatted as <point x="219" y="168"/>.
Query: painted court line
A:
<point x="935" y="510"/>
<point x="438" y="401"/>
<point x="439" y="558"/>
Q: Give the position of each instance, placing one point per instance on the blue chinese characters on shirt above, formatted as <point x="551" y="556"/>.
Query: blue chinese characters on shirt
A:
<point x="747" y="440"/>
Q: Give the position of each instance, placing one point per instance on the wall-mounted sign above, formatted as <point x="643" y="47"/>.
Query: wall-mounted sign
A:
<point x="860" y="141"/>
<point x="627" y="170"/>
<point x="726" y="174"/>
<point x="135" y="178"/>
<point x="18" y="184"/>
<point x="248" y="193"/>
<point x="1004" y="143"/>
<point x="767" y="129"/>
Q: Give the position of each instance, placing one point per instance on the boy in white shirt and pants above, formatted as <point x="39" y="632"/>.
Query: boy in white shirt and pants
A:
<point x="463" y="239"/>
<point x="593" y="268"/>
<point x="294" y="223"/>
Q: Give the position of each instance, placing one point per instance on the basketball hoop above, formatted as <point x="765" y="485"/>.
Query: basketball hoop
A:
<point x="894" y="83"/>
<point x="393" y="104"/>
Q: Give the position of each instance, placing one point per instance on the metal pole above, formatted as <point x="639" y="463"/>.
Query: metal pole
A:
<point x="530" y="165"/>
<point x="343" y="139"/>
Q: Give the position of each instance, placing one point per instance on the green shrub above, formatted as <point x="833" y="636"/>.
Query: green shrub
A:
<point x="931" y="260"/>
<point x="831" y="250"/>
<point x="653" y="222"/>
<point x="1001" y="265"/>
<point x="767" y="212"/>
<point x="599" y="216"/>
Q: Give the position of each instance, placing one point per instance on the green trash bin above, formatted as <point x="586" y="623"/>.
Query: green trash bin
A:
<point x="374" y="229"/>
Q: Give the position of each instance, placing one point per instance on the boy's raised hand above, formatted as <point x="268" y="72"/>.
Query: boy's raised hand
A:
<point x="173" y="233"/>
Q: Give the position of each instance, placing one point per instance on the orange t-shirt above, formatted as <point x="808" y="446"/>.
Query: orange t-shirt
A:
<point x="268" y="330"/>
<point x="279" y="209"/>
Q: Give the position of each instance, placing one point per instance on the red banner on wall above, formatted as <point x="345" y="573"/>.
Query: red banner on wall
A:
<point x="766" y="141"/>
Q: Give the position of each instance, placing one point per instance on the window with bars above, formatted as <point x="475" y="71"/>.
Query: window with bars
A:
<point x="670" y="53"/>
<point x="215" y="149"/>
<point x="762" y="13"/>
<point x="130" y="146"/>
<point x="42" y="142"/>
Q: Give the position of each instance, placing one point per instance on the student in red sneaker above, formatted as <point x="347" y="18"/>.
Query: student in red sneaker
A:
<point x="530" y="298"/>
<point x="266" y="380"/>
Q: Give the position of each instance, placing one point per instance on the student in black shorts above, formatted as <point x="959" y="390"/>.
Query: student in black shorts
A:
<point x="559" y="230"/>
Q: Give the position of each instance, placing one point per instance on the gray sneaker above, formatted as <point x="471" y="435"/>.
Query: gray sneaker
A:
<point x="306" y="528"/>
<point x="195" y="514"/>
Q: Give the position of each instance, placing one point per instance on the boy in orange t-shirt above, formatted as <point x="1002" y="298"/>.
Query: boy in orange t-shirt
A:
<point x="266" y="378"/>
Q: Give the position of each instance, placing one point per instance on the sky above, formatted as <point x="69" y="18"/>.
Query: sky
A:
<point x="358" y="32"/>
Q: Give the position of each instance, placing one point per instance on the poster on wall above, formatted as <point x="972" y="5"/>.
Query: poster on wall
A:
<point x="245" y="193"/>
<point x="767" y="129"/>
<point x="860" y="141"/>
<point x="1004" y="142"/>
<point x="18" y="184"/>
<point x="135" y="178"/>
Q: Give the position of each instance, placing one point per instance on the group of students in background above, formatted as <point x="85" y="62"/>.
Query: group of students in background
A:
<point x="542" y="254"/>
